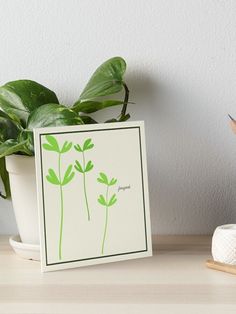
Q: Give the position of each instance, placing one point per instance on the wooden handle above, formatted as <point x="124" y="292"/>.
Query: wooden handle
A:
<point x="231" y="269"/>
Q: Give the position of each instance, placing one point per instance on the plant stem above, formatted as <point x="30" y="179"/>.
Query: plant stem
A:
<point x="62" y="209"/>
<point x="85" y="192"/>
<point x="106" y="223"/>
<point x="126" y="99"/>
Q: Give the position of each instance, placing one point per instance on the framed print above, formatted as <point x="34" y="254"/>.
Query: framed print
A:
<point x="93" y="197"/>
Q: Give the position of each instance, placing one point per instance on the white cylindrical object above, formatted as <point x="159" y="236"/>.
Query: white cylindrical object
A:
<point x="224" y="244"/>
<point x="22" y="177"/>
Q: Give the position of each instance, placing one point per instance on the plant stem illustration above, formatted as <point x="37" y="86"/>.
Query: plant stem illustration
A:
<point x="58" y="179"/>
<point x="106" y="202"/>
<point x="84" y="168"/>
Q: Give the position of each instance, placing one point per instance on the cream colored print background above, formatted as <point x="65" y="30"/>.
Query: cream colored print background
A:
<point x="117" y="154"/>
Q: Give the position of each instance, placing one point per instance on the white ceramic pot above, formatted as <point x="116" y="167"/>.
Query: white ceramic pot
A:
<point x="23" y="189"/>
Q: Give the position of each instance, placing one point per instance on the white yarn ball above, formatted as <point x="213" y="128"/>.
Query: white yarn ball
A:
<point x="224" y="244"/>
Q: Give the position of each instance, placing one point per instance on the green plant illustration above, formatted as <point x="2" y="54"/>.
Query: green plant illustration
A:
<point x="59" y="179"/>
<point x="84" y="168"/>
<point x="107" y="202"/>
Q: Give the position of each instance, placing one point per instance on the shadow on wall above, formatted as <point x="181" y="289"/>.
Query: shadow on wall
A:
<point x="190" y="188"/>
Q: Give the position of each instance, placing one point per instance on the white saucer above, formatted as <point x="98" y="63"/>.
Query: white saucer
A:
<point x="24" y="250"/>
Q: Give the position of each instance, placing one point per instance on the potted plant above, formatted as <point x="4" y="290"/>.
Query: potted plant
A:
<point x="25" y="105"/>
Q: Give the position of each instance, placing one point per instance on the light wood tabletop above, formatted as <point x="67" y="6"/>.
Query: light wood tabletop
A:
<point x="174" y="280"/>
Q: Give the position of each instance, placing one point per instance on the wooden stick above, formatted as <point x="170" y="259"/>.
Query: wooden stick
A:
<point x="231" y="269"/>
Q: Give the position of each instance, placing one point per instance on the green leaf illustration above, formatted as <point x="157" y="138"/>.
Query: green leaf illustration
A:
<point x="68" y="179"/>
<point x="85" y="168"/>
<point x="87" y="144"/>
<point x="52" y="177"/>
<point x="52" y="144"/>
<point x="89" y="166"/>
<point x="48" y="147"/>
<point x="78" y="148"/>
<point x="78" y="166"/>
<point x="105" y="201"/>
<point x="113" y="200"/>
<point x="66" y="147"/>
<point x="102" y="200"/>
<point x="112" y="182"/>
<point x="103" y="178"/>
<point x="68" y="176"/>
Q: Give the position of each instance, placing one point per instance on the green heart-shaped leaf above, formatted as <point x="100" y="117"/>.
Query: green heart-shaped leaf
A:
<point x="106" y="80"/>
<point x="26" y="135"/>
<point x="91" y="106"/>
<point x="12" y="146"/>
<point x="52" y="115"/>
<point x="8" y="128"/>
<point x="19" y="98"/>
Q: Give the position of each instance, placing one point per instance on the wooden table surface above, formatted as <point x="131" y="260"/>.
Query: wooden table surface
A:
<point x="174" y="280"/>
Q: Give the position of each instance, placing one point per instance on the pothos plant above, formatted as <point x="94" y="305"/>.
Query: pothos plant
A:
<point x="25" y="105"/>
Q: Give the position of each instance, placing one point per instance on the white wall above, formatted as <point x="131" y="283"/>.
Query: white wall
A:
<point x="181" y="59"/>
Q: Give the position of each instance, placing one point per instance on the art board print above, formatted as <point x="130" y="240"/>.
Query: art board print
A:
<point x="92" y="194"/>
